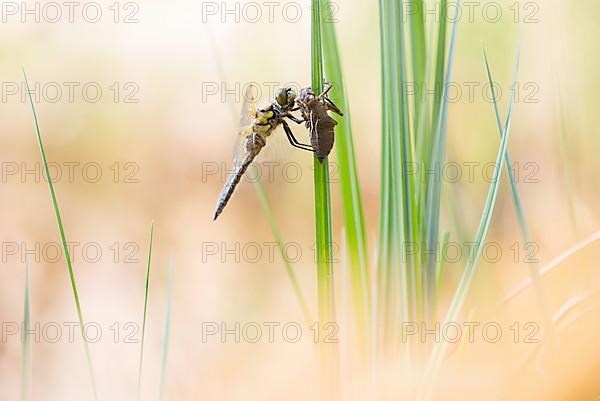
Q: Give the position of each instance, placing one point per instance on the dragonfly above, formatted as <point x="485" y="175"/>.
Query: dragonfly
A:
<point x="319" y="123"/>
<point x="256" y="126"/>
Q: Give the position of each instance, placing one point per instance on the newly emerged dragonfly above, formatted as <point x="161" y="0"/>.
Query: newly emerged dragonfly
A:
<point x="319" y="123"/>
<point x="256" y="125"/>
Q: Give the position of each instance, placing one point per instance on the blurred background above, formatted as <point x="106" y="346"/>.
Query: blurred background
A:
<point x="138" y="104"/>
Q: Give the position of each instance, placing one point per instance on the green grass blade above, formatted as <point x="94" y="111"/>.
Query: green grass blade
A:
<point x="434" y="187"/>
<point x="513" y="184"/>
<point x="394" y="303"/>
<point x="398" y="118"/>
<point x="352" y="209"/>
<point x="316" y="48"/>
<point x="167" y="333"/>
<point x="533" y="268"/>
<point x="440" y="62"/>
<point x="321" y="185"/>
<point x="418" y="49"/>
<point x="425" y="141"/>
<point x="386" y="217"/>
<point x="325" y="288"/>
<point x="64" y="240"/>
<point x="397" y="300"/>
<point x="147" y="288"/>
<point x="458" y="300"/>
<point x="26" y="350"/>
<point x="426" y="128"/>
<point x="408" y="181"/>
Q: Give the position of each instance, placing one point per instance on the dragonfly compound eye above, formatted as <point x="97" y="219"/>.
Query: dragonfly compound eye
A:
<point x="281" y="96"/>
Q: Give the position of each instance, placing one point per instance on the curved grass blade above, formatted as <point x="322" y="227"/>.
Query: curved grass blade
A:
<point x="64" y="241"/>
<point x="551" y="266"/>
<point x="440" y="349"/>
<point x="147" y="288"/>
<point x="513" y="185"/>
<point x="533" y="268"/>
<point x="167" y="333"/>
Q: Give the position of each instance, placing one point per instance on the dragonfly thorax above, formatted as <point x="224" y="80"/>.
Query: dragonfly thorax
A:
<point x="266" y="119"/>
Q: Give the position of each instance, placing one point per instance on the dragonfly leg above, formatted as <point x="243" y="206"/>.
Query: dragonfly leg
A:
<point x="293" y="141"/>
<point x="295" y="119"/>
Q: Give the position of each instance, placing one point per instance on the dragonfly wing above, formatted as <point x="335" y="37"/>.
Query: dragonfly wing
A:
<point x="248" y="106"/>
<point x="240" y="149"/>
<point x="247" y="116"/>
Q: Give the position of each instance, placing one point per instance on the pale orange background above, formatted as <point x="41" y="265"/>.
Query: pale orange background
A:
<point x="172" y="135"/>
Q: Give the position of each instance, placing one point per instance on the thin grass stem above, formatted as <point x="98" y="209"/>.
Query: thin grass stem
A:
<point x="64" y="241"/>
<point x="146" y="292"/>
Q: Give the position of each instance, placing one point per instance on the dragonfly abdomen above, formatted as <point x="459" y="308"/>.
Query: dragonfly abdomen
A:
<point x="253" y="146"/>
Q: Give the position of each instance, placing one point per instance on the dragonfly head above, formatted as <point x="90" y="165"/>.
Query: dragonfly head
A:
<point x="285" y="96"/>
